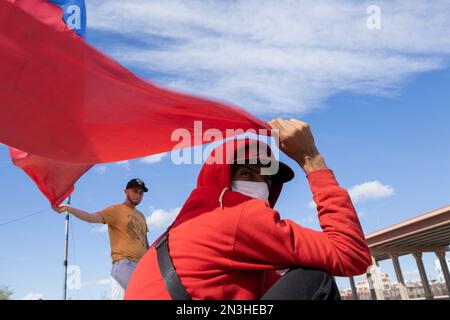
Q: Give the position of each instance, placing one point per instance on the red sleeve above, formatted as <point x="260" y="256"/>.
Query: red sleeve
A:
<point x="265" y="242"/>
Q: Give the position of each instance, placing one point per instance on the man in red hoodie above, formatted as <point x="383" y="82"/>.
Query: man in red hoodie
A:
<point x="229" y="243"/>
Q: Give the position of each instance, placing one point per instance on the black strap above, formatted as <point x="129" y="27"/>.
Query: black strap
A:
<point x="172" y="281"/>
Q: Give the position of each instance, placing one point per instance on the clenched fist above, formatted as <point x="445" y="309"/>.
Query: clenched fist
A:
<point x="62" y="208"/>
<point x="297" y="141"/>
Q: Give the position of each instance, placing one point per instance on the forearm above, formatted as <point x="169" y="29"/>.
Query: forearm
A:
<point x="339" y="222"/>
<point x="265" y="242"/>
<point x="82" y="215"/>
<point x="262" y="238"/>
<point x="312" y="163"/>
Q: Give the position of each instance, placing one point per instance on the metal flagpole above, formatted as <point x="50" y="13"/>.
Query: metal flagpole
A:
<point x="75" y="18"/>
<point x="66" y="252"/>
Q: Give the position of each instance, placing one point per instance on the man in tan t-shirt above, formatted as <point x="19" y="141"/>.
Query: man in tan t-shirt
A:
<point x="127" y="230"/>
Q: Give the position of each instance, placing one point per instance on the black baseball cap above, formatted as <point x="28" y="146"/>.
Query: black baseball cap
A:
<point x="249" y="149"/>
<point x="136" y="183"/>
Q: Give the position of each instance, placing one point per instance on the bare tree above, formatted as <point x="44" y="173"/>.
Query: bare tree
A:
<point x="5" y="293"/>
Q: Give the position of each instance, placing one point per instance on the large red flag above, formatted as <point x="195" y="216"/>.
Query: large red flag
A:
<point x="54" y="179"/>
<point x="63" y="100"/>
<point x="45" y="11"/>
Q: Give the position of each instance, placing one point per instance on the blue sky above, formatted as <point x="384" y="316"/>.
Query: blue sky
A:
<point x="378" y="110"/>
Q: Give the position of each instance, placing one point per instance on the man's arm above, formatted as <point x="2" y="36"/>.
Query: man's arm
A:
<point x="80" y="214"/>
<point x="262" y="238"/>
<point x="297" y="142"/>
<point x="264" y="241"/>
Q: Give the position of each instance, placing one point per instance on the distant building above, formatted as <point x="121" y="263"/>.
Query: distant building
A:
<point x="385" y="281"/>
<point x="438" y="268"/>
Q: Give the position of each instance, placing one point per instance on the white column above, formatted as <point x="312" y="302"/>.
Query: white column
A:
<point x="376" y="290"/>
<point x="423" y="275"/>
<point x="377" y="284"/>
<point x="354" y="291"/>
<point x="401" y="282"/>
<point x="444" y="267"/>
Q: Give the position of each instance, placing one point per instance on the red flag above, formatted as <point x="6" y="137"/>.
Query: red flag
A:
<point x="54" y="179"/>
<point x="63" y="100"/>
<point x="46" y="12"/>
<point x="45" y="72"/>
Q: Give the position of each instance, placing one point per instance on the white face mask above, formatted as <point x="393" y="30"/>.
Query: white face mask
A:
<point x="253" y="189"/>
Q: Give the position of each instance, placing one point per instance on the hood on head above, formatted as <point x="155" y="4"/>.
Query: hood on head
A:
<point x="216" y="172"/>
<point x="214" y="179"/>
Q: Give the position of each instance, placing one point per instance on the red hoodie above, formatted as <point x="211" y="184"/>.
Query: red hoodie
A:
<point x="232" y="251"/>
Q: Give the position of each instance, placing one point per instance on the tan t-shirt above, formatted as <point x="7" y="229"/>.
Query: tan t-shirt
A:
<point x="127" y="230"/>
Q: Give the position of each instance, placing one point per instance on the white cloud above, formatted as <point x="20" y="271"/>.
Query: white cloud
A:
<point x="153" y="159"/>
<point x="125" y="164"/>
<point x="34" y="296"/>
<point x="370" y="191"/>
<point x="309" y="219"/>
<point x="101" y="229"/>
<point x="101" y="282"/>
<point x="277" y="56"/>
<point x="101" y="169"/>
<point x="362" y="214"/>
<point x="160" y="218"/>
